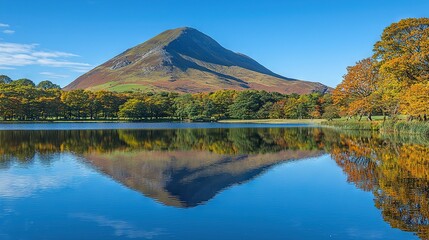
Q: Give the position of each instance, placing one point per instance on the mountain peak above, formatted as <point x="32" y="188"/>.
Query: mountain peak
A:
<point x="186" y="60"/>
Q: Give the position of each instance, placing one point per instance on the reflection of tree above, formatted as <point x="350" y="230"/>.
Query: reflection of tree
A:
<point x="21" y="146"/>
<point x="396" y="173"/>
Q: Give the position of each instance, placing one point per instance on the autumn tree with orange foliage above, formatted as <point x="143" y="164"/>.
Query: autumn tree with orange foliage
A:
<point x="402" y="56"/>
<point x="354" y="93"/>
<point x="403" y="51"/>
<point x="415" y="101"/>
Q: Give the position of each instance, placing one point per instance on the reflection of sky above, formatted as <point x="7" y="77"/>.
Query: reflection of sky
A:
<point x="18" y="182"/>
<point x="120" y="228"/>
<point x="366" y="234"/>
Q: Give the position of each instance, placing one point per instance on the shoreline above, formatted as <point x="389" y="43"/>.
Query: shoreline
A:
<point x="275" y="121"/>
<point x="262" y="121"/>
<point x="401" y="127"/>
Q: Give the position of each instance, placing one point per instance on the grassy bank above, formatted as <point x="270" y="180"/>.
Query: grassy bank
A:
<point x="387" y="127"/>
<point x="276" y="121"/>
<point x="403" y="127"/>
<point x="354" y="124"/>
<point x="264" y="121"/>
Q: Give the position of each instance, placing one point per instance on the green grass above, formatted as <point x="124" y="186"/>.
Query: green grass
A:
<point x="403" y="127"/>
<point x="117" y="87"/>
<point x="399" y="127"/>
<point x="129" y="87"/>
<point x="354" y="124"/>
<point x="276" y="121"/>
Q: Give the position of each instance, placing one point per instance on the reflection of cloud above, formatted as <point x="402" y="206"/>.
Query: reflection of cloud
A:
<point x="364" y="234"/>
<point x="121" y="228"/>
<point x="26" y="183"/>
<point x="14" y="185"/>
<point x="17" y="54"/>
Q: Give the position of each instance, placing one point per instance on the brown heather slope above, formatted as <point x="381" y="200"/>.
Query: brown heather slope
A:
<point x="186" y="60"/>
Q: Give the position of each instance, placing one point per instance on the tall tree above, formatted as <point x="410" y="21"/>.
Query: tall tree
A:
<point x="77" y="102"/>
<point x="107" y="103"/>
<point x="403" y="51"/>
<point x="48" y="85"/>
<point x="415" y="101"/>
<point x="23" y="82"/>
<point x="134" y="109"/>
<point x="5" y="79"/>
<point x="353" y="94"/>
<point x="245" y="105"/>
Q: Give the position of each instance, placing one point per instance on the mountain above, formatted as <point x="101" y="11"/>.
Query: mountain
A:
<point x="186" y="60"/>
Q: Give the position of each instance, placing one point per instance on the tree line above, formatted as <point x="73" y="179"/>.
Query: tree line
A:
<point x="23" y="146"/>
<point x="25" y="101"/>
<point x="394" y="80"/>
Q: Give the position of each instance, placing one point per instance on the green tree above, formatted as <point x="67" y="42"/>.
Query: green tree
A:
<point x="181" y="105"/>
<point x="134" y="109"/>
<point x="277" y="110"/>
<point x="5" y="79"/>
<point x="330" y="112"/>
<point x="23" y="82"/>
<point x="47" y="85"/>
<point x="222" y="99"/>
<point x="107" y="103"/>
<point x="246" y="105"/>
<point x="49" y="102"/>
<point x="77" y="103"/>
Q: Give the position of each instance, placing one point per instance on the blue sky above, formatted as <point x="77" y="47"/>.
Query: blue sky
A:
<point x="313" y="40"/>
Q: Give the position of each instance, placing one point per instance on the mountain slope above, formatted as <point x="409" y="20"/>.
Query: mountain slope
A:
<point x="186" y="60"/>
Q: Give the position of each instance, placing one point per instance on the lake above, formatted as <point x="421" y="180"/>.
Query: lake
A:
<point x="210" y="181"/>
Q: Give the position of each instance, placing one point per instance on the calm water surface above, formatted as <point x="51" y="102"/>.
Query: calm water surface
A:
<point x="210" y="181"/>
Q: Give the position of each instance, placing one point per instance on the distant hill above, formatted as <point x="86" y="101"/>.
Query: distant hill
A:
<point x="186" y="60"/>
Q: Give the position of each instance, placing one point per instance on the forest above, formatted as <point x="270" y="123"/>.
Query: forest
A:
<point x="23" y="100"/>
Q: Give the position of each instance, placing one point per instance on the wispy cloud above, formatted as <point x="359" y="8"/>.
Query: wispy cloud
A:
<point x="121" y="228"/>
<point x="53" y="54"/>
<point x="8" y="31"/>
<point x="6" y="47"/>
<point x="54" y="75"/>
<point x="6" y="68"/>
<point x="17" y="55"/>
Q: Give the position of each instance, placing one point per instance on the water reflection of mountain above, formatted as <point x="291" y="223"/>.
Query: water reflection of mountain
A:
<point x="187" y="178"/>
<point x="182" y="167"/>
